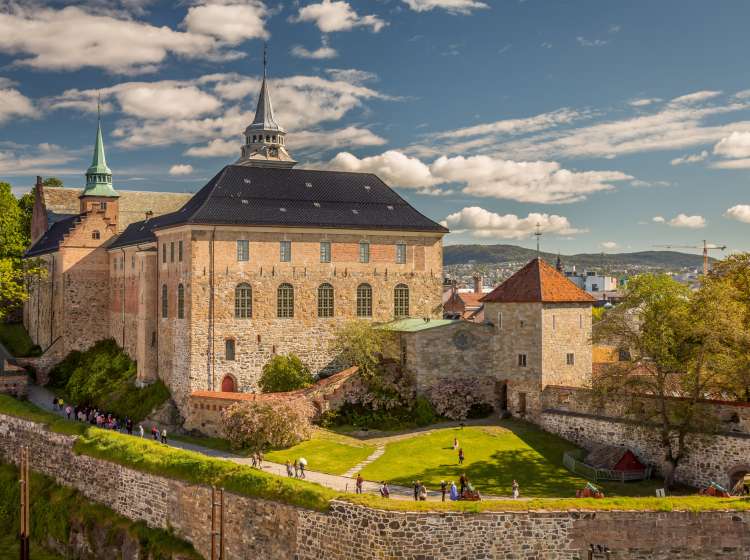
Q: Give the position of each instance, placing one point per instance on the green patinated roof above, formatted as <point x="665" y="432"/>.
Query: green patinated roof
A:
<point x="416" y="325"/>
<point x="98" y="175"/>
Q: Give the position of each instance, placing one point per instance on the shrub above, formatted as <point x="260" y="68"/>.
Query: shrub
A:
<point x="259" y="425"/>
<point x="104" y="376"/>
<point x="424" y="413"/>
<point x="455" y="398"/>
<point x="285" y="373"/>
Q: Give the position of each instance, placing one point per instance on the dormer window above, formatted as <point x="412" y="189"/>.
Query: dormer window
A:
<point x="95" y="234"/>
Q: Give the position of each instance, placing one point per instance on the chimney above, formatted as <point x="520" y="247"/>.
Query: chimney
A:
<point x="477" y="284"/>
<point x="149" y="215"/>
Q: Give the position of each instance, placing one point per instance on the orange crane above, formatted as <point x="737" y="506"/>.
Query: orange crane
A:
<point x="706" y="248"/>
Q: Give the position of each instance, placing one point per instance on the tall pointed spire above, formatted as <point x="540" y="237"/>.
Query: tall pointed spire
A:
<point x="98" y="175"/>
<point x="265" y="139"/>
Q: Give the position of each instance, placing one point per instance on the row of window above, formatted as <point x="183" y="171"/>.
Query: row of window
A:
<point x="258" y="138"/>
<point x="570" y="359"/>
<point x="171" y="251"/>
<point x="285" y="251"/>
<point x="243" y="301"/>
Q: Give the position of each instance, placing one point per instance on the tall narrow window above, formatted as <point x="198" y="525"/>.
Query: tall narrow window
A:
<point x="164" y="302"/>
<point x="132" y="262"/>
<point x="180" y="301"/>
<point x="570" y="359"/>
<point x="364" y="300"/>
<point x="95" y="234"/>
<point x="243" y="250"/>
<point x="364" y="252"/>
<point x="229" y="349"/>
<point x="401" y="300"/>
<point x="499" y="320"/>
<point x="522" y="360"/>
<point x="179" y="251"/>
<point x="325" y="251"/>
<point x="400" y="253"/>
<point x="171" y="251"/>
<point x="285" y="251"/>
<point x="163" y="252"/>
<point x="243" y="301"/>
<point x="285" y="301"/>
<point x="325" y="300"/>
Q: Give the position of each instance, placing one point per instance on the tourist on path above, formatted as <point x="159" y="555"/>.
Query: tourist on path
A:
<point x="443" y="489"/>
<point x="515" y="490"/>
<point x="296" y="468"/>
<point x="454" y="491"/>
<point x="455" y="443"/>
<point x="463" y="481"/>
<point x="360" y="480"/>
<point x="140" y="430"/>
<point x="289" y="469"/>
<point x="68" y="411"/>
<point x="54" y="403"/>
<point x="422" y="493"/>
<point x="155" y="433"/>
<point x="384" y="491"/>
<point x="164" y="436"/>
<point x="302" y="463"/>
<point x="461" y="456"/>
<point x="129" y="426"/>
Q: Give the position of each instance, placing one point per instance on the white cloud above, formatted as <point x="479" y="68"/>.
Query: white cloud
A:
<point x="638" y="183"/>
<point x="332" y="139"/>
<point x="215" y="148"/>
<point x="691" y="158"/>
<point x="740" y="212"/>
<point x="451" y="6"/>
<point x="483" y="176"/>
<point x="72" y="38"/>
<point x="743" y="163"/>
<point x="736" y="145"/>
<point x="695" y="97"/>
<point x="582" y="41"/>
<point x="167" y="102"/>
<point x="232" y="23"/>
<point x="609" y="245"/>
<point x="351" y="75"/>
<point x="181" y="169"/>
<point x="485" y="224"/>
<point x="685" y="221"/>
<point x="658" y="219"/>
<point x="322" y="52"/>
<point x="336" y="15"/>
<point x="42" y="159"/>
<point x="14" y="104"/>
<point x="644" y="102"/>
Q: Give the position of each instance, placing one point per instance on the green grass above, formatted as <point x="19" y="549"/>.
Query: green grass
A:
<point x="216" y="443"/>
<point x="495" y="456"/>
<point x="9" y="549"/>
<point x="17" y="341"/>
<point x="325" y="452"/>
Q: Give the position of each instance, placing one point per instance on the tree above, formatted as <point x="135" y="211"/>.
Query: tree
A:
<point x="285" y="373"/>
<point x="260" y="425"/>
<point x="53" y="182"/>
<point x="360" y="344"/>
<point x="680" y="343"/>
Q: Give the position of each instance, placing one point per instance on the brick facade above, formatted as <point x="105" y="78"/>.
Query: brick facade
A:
<point x="257" y="528"/>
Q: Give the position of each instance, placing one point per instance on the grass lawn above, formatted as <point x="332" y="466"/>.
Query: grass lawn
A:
<point x="17" y="341"/>
<point x="495" y="455"/>
<point x="325" y="452"/>
<point x="9" y="549"/>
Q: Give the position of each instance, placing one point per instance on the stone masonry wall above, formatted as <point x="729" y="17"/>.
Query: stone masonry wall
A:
<point x="566" y="332"/>
<point x="256" y="528"/>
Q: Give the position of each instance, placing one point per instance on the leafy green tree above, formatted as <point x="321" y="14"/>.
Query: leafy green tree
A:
<point x="53" y="182"/>
<point x="13" y="238"/>
<point x="681" y="344"/>
<point x="360" y="344"/>
<point x="285" y="373"/>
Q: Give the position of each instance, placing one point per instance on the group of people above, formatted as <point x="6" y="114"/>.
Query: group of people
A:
<point x="383" y="489"/>
<point x="105" y="421"/>
<point x="294" y="469"/>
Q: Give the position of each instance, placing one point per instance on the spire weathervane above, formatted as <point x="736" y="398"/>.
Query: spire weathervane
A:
<point x="538" y="235"/>
<point x="265" y="58"/>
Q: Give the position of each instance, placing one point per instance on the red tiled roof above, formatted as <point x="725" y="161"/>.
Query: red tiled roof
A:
<point x="470" y="299"/>
<point x="538" y="282"/>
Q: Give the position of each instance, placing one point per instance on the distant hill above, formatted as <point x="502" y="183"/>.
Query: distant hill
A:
<point x="498" y="254"/>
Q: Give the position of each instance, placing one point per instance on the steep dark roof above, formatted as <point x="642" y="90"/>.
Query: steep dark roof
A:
<point x="538" y="282"/>
<point x="50" y="241"/>
<point x="243" y="195"/>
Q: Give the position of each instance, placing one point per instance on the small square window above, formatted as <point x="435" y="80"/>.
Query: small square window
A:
<point x="325" y="251"/>
<point x="243" y="250"/>
<point x="570" y="359"/>
<point x="522" y="360"/>
<point x="285" y="251"/>
<point x="364" y="252"/>
<point x="400" y="253"/>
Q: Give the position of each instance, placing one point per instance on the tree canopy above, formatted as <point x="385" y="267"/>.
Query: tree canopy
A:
<point x="285" y="373"/>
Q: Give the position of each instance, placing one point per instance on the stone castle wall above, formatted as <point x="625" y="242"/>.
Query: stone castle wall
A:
<point x="566" y="330"/>
<point x="572" y="414"/>
<point x="257" y="528"/>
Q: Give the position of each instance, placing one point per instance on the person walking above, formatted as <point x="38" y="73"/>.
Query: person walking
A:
<point x="129" y="426"/>
<point x="384" y="491"/>
<point x="155" y="433"/>
<point x="302" y="464"/>
<point x="453" y="492"/>
<point x="140" y="430"/>
<point x="289" y="469"/>
<point x="68" y="411"/>
<point x="463" y="482"/>
<point x="416" y="490"/>
<point x="164" y="436"/>
<point x="360" y="480"/>
<point x="515" y="490"/>
<point x="296" y="468"/>
<point x="443" y="489"/>
<point x="455" y="443"/>
<point x="422" y="493"/>
<point x="461" y="456"/>
<point x="54" y="403"/>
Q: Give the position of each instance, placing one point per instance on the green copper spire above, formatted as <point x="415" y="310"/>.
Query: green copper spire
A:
<point x="98" y="175"/>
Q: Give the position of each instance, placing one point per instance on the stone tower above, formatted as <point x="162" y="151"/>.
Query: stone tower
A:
<point x="265" y="139"/>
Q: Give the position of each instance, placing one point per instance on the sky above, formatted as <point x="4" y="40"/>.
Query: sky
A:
<point x="615" y="126"/>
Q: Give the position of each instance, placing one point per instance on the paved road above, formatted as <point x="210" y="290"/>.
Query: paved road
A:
<point x="43" y="398"/>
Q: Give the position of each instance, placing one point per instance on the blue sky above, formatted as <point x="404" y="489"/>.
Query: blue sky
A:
<point x="615" y="125"/>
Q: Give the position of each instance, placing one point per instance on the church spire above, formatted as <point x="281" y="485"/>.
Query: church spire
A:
<point x="265" y="139"/>
<point x="98" y="175"/>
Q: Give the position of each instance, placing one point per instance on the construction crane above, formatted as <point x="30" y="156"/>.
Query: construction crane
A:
<point x="706" y="248"/>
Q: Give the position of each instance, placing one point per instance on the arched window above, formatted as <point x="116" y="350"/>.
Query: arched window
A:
<point x="364" y="300"/>
<point x="95" y="234"/>
<point x="164" y="302"/>
<point x="401" y="300"/>
<point x="180" y="301"/>
<point x="228" y="351"/>
<point x="285" y="301"/>
<point x="325" y="300"/>
<point x="228" y="385"/>
<point x="243" y="301"/>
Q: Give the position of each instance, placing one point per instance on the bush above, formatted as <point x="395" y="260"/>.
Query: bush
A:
<point x="259" y="425"/>
<point x="104" y="376"/>
<point x="424" y="413"/>
<point x="285" y="373"/>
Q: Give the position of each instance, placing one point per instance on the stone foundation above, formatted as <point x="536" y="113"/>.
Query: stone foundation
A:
<point x="257" y="528"/>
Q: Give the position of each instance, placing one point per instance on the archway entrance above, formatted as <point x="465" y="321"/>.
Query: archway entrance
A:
<point x="501" y="394"/>
<point x="739" y="479"/>
<point x="227" y="384"/>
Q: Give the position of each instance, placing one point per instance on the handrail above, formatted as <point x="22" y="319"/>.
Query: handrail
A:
<point x="592" y="473"/>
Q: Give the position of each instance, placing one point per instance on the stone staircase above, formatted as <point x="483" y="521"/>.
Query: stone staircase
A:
<point x="375" y="455"/>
